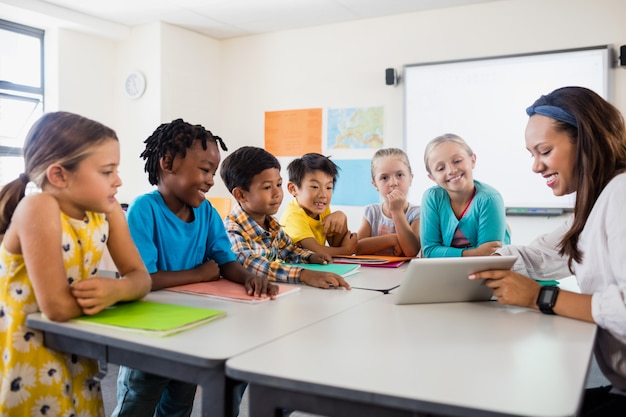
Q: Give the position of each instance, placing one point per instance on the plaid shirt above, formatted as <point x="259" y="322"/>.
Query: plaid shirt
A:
<point x="261" y="251"/>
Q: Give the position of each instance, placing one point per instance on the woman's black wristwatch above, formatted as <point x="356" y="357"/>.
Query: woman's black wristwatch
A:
<point x="547" y="298"/>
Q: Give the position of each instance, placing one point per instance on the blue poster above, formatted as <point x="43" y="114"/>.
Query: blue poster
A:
<point x="354" y="186"/>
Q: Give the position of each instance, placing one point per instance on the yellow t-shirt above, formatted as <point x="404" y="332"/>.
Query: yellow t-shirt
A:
<point x="298" y="225"/>
<point x="33" y="377"/>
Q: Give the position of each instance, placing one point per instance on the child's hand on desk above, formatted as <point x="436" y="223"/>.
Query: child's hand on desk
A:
<point x="258" y="286"/>
<point x="320" y="258"/>
<point x="397" y="249"/>
<point x="349" y="243"/>
<point x="95" y="294"/>
<point x="209" y="271"/>
<point x="323" y="279"/>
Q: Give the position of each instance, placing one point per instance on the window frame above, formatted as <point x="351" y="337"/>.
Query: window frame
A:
<point x="20" y="92"/>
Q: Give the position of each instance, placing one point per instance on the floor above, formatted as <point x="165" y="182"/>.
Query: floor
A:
<point x="108" y="392"/>
<point x="594" y="379"/>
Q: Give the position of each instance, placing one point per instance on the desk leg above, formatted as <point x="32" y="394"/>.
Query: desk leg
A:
<point x="214" y="403"/>
<point x="269" y="402"/>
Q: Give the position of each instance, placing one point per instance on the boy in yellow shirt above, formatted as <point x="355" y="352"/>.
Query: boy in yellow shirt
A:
<point x="308" y="219"/>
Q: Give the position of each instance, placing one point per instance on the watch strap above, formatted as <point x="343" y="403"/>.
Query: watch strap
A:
<point x="547" y="298"/>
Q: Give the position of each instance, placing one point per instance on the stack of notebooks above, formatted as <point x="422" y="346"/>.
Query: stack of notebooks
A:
<point x="382" y="261"/>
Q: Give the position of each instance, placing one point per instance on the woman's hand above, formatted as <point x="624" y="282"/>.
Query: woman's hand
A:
<point x="510" y="287"/>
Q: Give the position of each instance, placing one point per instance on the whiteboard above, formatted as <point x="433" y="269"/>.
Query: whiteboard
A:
<point x="484" y="101"/>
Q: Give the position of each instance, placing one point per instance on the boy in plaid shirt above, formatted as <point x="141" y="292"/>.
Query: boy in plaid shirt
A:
<point x="252" y="175"/>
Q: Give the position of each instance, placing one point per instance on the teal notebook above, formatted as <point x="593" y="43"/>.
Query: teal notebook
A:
<point x="147" y="317"/>
<point x="345" y="270"/>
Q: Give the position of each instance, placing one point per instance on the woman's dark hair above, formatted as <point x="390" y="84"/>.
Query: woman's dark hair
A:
<point x="600" y="139"/>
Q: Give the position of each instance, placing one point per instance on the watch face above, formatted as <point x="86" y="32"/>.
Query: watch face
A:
<point x="134" y="85"/>
<point x="545" y="297"/>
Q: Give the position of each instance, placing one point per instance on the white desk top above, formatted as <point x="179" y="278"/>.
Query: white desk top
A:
<point x="244" y="327"/>
<point x="433" y="358"/>
<point x="377" y="278"/>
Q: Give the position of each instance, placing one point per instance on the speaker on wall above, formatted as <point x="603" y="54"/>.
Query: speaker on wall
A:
<point x="622" y="55"/>
<point x="391" y="76"/>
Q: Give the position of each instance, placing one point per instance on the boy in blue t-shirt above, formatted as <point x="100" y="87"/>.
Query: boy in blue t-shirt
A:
<point x="181" y="239"/>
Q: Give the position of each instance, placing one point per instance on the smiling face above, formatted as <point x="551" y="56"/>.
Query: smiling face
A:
<point x="264" y="196"/>
<point x="554" y="154"/>
<point x="391" y="173"/>
<point x="191" y="177"/>
<point x="315" y="193"/>
<point x="451" y="167"/>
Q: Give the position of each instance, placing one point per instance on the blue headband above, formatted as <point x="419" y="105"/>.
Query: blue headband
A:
<point x="553" y="112"/>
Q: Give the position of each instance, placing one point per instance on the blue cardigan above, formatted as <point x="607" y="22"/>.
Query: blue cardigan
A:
<point x="485" y="221"/>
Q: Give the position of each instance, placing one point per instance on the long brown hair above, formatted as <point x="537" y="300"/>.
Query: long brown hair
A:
<point x="60" y="137"/>
<point x="600" y="139"/>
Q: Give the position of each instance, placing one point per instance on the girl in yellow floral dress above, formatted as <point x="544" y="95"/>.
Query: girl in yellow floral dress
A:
<point x="52" y="242"/>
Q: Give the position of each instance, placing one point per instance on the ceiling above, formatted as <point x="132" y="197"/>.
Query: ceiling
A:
<point x="223" y="19"/>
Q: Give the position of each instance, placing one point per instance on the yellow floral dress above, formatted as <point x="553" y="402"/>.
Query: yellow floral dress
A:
<point x="37" y="381"/>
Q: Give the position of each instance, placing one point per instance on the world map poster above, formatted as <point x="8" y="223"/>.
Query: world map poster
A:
<point x="355" y="128"/>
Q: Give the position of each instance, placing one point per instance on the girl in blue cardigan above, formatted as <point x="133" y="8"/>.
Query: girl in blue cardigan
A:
<point x="460" y="216"/>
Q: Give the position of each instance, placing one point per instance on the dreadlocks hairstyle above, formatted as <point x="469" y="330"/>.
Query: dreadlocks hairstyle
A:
<point x="173" y="139"/>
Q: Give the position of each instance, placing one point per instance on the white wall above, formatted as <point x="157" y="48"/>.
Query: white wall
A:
<point x="86" y="75"/>
<point x="342" y="65"/>
<point x="228" y="85"/>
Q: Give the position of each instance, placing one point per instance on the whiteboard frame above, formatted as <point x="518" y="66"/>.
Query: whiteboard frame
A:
<point x="545" y="200"/>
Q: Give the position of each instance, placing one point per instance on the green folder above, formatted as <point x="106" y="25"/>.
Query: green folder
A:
<point x="147" y="317"/>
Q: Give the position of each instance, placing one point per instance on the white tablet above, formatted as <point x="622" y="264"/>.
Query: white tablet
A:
<point x="444" y="280"/>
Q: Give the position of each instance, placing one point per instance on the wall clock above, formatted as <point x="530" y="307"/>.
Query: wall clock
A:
<point x="134" y="85"/>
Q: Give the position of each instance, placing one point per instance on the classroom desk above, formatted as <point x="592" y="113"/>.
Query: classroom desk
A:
<point x="377" y="278"/>
<point x="198" y="355"/>
<point x="457" y="359"/>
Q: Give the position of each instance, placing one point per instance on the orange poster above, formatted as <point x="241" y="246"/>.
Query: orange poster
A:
<point x="293" y="132"/>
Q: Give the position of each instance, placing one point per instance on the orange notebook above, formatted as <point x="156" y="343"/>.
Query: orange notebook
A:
<point x="228" y="290"/>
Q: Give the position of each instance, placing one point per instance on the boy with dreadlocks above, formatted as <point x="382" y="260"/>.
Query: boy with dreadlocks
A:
<point x="182" y="240"/>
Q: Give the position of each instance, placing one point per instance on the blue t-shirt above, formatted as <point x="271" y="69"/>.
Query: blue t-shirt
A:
<point x="167" y="243"/>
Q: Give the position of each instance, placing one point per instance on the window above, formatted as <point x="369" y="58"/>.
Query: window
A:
<point x="21" y="92"/>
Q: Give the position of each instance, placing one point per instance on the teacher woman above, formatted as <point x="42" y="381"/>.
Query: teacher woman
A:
<point x="578" y="142"/>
